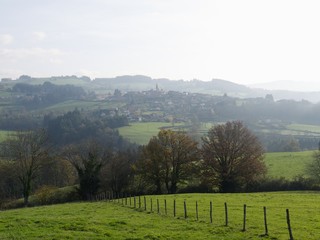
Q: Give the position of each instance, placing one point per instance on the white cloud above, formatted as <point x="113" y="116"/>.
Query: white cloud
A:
<point x="39" y="36"/>
<point x="6" y="39"/>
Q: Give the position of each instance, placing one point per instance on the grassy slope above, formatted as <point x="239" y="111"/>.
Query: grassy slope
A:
<point x="103" y="220"/>
<point x="142" y="132"/>
<point x="287" y="164"/>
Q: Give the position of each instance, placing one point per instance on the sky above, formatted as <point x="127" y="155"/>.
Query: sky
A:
<point x="246" y="42"/>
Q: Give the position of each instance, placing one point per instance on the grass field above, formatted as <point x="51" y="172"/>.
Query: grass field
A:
<point x="287" y="164"/>
<point x="307" y="129"/>
<point x="105" y="220"/>
<point x="141" y="133"/>
<point x="3" y="135"/>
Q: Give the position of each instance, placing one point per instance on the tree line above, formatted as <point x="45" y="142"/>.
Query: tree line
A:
<point x="230" y="158"/>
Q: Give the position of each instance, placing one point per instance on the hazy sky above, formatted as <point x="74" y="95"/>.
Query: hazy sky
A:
<point x="247" y="41"/>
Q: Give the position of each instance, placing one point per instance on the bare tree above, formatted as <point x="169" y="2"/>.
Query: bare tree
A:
<point x="232" y="156"/>
<point x="117" y="172"/>
<point x="27" y="150"/>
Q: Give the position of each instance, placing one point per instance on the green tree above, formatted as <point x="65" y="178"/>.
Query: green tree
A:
<point x="313" y="168"/>
<point x="232" y="156"/>
<point x="88" y="159"/>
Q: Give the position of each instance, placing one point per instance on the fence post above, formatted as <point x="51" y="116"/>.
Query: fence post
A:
<point x="210" y="211"/>
<point x="197" y="215"/>
<point x="265" y="221"/>
<point x="289" y="225"/>
<point x="150" y="204"/>
<point x="158" y="207"/>
<point x="244" y="217"/>
<point x="185" y="209"/>
<point x="174" y="208"/>
<point x="139" y="202"/>
<point x="145" y="203"/>
<point x="226" y="212"/>
<point x="165" y="206"/>
<point x="134" y="202"/>
<point x="130" y="199"/>
<point x="126" y="200"/>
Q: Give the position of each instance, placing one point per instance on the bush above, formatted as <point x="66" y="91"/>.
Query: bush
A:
<point x="46" y="195"/>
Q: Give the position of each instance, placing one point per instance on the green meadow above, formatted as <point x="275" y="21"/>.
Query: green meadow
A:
<point x="287" y="164"/>
<point x="141" y="133"/>
<point x="119" y="220"/>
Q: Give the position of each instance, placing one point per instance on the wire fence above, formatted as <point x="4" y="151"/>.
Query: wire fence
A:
<point x="273" y="220"/>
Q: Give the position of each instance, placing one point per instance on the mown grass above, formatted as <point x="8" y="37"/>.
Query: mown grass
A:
<point x="105" y="220"/>
<point x="288" y="164"/>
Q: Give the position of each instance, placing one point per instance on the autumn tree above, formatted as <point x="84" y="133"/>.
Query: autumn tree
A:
<point x="27" y="151"/>
<point x="232" y="156"/>
<point x="169" y="159"/>
<point x="88" y="158"/>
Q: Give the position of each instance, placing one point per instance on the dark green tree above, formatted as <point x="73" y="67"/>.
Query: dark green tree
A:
<point x="88" y="159"/>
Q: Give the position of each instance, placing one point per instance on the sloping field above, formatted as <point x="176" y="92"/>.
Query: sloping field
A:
<point x="119" y="220"/>
<point x="141" y="133"/>
<point x="288" y="164"/>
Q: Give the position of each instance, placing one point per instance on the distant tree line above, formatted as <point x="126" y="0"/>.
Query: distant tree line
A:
<point x="47" y="93"/>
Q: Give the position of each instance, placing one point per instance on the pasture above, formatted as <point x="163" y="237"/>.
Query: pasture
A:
<point x="141" y="133"/>
<point x="120" y="220"/>
<point x="287" y="164"/>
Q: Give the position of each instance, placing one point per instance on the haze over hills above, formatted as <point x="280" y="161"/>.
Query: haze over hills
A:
<point x="288" y="86"/>
<point x="215" y="86"/>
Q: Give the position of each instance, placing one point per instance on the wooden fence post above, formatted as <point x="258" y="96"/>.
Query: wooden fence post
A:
<point x="165" y="206"/>
<point x="150" y="204"/>
<point x="145" y="203"/>
<point x="185" y="209"/>
<point x="226" y="213"/>
<point x="244" y="217"/>
<point x="265" y="221"/>
<point x="289" y="225"/>
<point x="158" y="207"/>
<point x="174" y="208"/>
<point x="134" y="202"/>
<point x="210" y="212"/>
<point x="197" y="214"/>
<point x="139" y="202"/>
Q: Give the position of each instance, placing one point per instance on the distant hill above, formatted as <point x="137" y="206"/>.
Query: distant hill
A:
<point x="215" y="86"/>
<point x="143" y="83"/>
